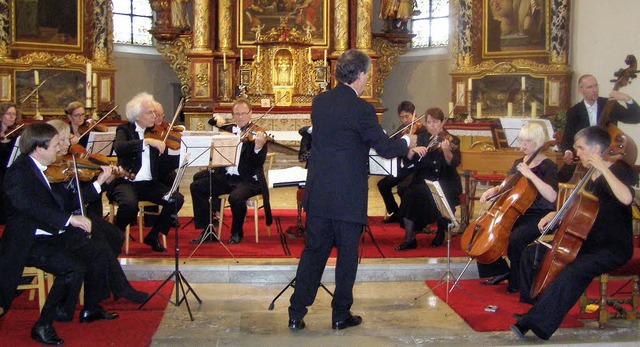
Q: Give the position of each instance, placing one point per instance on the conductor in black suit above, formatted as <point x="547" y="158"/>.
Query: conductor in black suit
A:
<point x="335" y="199"/>
<point x="587" y="112"/>
<point x="140" y="156"/>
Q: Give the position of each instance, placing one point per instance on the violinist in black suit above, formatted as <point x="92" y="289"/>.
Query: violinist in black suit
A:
<point x="345" y="128"/>
<point x="240" y="182"/>
<point x="140" y="156"/>
<point x="42" y="234"/>
<point x="587" y="112"/>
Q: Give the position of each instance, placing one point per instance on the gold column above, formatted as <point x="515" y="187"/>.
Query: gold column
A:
<point x="341" y="33"/>
<point x="224" y="23"/>
<point x="201" y="26"/>
<point x="363" y="26"/>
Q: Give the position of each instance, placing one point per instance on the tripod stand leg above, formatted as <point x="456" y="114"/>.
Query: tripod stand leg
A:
<point x="462" y="273"/>
<point x="366" y="230"/>
<point x="273" y="302"/>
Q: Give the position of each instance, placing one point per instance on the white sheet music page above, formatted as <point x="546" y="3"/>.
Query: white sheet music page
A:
<point x="381" y="166"/>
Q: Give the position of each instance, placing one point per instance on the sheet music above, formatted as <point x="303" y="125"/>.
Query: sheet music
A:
<point x="176" y="181"/>
<point x="381" y="166"/>
<point x="441" y="201"/>
<point x="512" y="128"/>
<point x="101" y="143"/>
<point x="225" y="151"/>
<point x="292" y="176"/>
<point x="15" y="152"/>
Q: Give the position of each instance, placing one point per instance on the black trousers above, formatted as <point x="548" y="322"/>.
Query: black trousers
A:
<point x="108" y="239"/>
<point x="127" y="194"/>
<point x="321" y="235"/>
<point x="239" y="192"/>
<point x="554" y="303"/>
<point x="385" y="186"/>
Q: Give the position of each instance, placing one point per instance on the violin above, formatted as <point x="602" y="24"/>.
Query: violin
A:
<point x="436" y="142"/>
<point x="170" y="135"/>
<point x="250" y="131"/>
<point x="62" y="170"/>
<point x="416" y="125"/>
<point x="13" y="131"/>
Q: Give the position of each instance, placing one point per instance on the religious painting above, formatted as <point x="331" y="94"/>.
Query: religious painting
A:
<point x="57" y="89"/>
<point x="257" y="17"/>
<point x="47" y="25"/>
<point x="513" y="28"/>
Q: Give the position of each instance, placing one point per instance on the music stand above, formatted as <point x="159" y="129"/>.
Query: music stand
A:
<point x="379" y="166"/>
<point x="446" y="212"/>
<point x="15" y="152"/>
<point x="180" y="280"/>
<point x="101" y="143"/>
<point x="221" y="151"/>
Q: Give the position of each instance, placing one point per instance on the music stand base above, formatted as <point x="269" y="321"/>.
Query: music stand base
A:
<point x="292" y="284"/>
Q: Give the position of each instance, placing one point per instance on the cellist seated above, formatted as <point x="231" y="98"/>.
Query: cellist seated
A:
<point x="608" y="244"/>
<point x="542" y="172"/>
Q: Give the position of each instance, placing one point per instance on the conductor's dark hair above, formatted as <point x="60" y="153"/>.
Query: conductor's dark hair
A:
<point x="594" y="135"/>
<point x="36" y="135"/>
<point x="350" y="64"/>
<point x="406" y="106"/>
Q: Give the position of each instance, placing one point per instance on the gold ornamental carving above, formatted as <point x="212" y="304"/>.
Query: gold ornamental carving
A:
<point x="201" y="25"/>
<point x="55" y="61"/>
<point x="517" y="65"/>
<point x="341" y="19"/>
<point x="201" y="80"/>
<point x="174" y="54"/>
<point x="363" y="25"/>
<point x="224" y="25"/>
<point x="388" y="57"/>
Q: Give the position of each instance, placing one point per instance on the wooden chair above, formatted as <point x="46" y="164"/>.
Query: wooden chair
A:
<point x="127" y="235"/>
<point x="37" y="284"/>
<point x="492" y="179"/>
<point x="255" y="201"/>
<point x="50" y="278"/>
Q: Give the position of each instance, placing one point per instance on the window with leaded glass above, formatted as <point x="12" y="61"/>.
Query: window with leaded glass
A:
<point x="431" y="26"/>
<point x="132" y="20"/>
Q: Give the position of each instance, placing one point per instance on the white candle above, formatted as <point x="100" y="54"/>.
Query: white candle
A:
<point x="479" y="110"/>
<point x="469" y="84"/>
<point x="258" y="54"/>
<point x="325" y="57"/>
<point x="88" y="102"/>
<point x="450" y="108"/>
<point x="309" y="56"/>
<point x="36" y="77"/>
<point x="509" y="109"/>
<point x="534" y="110"/>
<point x="94" y="80"/>
<point x="224" y="60"/>
<point x="522" y="83"/>
<point x="241" y="56"/>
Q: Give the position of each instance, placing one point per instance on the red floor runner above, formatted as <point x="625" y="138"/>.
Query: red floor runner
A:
<point x="133" y="328"/>
<point x="470" y="301"/>
<point x="387" y="236"/>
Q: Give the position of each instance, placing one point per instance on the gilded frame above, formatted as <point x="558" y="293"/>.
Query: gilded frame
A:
<point x="509" y="32"/>
<point x="256" y="15"/>
<point x="28" y="33"/>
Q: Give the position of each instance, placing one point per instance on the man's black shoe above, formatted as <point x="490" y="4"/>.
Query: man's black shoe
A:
<point x="393" y="218"/>
<point x="296" y="324"/>
<point x="155" y="244"/>
<point x="46" y="334"/>
<point x="494" y="281"/>
<point x="98" y="313"/>
<point x="133" y="295"/>
<point x="519" y="330"/>
<point x="235" y="239"/>
<point x="352" y="321"/>
<point x="209" y="239"/>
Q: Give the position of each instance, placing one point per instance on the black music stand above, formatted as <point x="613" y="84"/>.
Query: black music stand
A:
<point x="367" y="231"/>
<point x="292" y="284"/>
<point x="179" y="278"/>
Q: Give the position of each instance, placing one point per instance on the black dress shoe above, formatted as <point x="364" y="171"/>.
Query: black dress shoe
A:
<point x="235" y="239"/>
<point x="352" y="321"/>
<point x="98" y="313"/>
<point x="155" y="244"/>
<point x="404" y="246"/>
<point x="46" y="334"/>
<point x="494" y="281"/>
<point x="296" y="324"/>
<point x="209" y="239"/>
<point x="519" y="330"/>
<point x="437" y="241"/>
<point x="133" y="295"/>
<point x="393" y="218"/>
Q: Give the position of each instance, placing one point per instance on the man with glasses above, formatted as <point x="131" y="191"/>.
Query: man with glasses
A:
<point x="140" y="155"/>
<point x="240" y="182"/>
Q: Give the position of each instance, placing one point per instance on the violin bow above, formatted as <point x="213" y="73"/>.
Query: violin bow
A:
<point x="434" y="138"/>
<point x="175" y="116"/>
<point x="13" y="131"/>
<point x="97" y="122"/>
<point x="254" y="123"/>
<point x="80" y="200"/>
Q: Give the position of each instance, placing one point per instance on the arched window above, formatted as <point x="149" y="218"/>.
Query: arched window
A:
<point x="132" y="20"/>
<point x="431" y="26"/>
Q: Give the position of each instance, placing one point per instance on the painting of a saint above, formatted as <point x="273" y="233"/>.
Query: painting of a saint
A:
<point x="515" y="25"/>
<point x="49" y="22"/>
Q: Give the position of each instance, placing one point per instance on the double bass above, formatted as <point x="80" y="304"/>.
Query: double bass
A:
<point x="486" y="238"/>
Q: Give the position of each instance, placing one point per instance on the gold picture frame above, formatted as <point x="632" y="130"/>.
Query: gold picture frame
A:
<point x="515" y="28"/>
<point x="47" y="25"/>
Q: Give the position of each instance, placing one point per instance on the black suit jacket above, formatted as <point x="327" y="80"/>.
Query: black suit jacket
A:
<point x="31" y="205"/>
<point x="345" y="127"/>
<point x="128" y="146"/>
<point x="578" y="118"/>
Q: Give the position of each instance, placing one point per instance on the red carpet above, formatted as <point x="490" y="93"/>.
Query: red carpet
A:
<point x="470" y="301"/>
<point x="133" y="328"/>
<point x="387" y="236"/>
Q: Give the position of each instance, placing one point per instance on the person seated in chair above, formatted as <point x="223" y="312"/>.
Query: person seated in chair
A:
<point x="437" y="158"/>
<point x="240" y="182"/>
<point x="406" y="112"/>
<point x="140" y="154"/>
<point x="543" y="173"/>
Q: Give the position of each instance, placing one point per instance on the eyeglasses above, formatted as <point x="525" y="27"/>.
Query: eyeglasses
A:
<point x="81" y="115"/>
<point x="10" y="114"/>
<point x="241" y="114"/>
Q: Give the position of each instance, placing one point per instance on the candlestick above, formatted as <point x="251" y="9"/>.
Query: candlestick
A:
<point x="450" y="108"/>
<point x="470" y="87"/>
<point x="88" y="87"/>
<point x="258" y="54"/>
<point x="522" y="83"/>
<point x="509" y="109"/>
<point x="309" y="56"/>
<point x="94" y="80"/>
<point x="479" y="110"/>
<point x="224" y="60"/>
<point x="325" y="57"/>
<point x="534" y="110"/>
<point x="36" y="77"/>
<point x="241" y="56"/>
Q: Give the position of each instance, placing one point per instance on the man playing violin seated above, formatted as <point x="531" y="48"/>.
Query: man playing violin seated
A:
<point x="608" y="244"/>
<point x="240" y="182"/>
<point x="139" y="155"/>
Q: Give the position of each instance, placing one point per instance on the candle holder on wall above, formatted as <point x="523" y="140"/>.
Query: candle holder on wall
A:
<point x="523" y="96"/>
<point x="469" y="118"/>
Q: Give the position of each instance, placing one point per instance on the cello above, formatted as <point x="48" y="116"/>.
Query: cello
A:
<point x="486" y="238"/>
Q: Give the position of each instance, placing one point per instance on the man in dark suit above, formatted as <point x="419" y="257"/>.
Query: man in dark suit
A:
<point x="240" y="182"/>
<point x="335" y="199"/>
<point x="406" y="112"/>
<point x="140" y="156"/>
<point x="40" y="233"/>
<point x="587" y="112"/>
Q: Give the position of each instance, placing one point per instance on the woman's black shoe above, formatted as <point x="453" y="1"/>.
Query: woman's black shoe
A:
<point x="493" y="281"/>
<point x="404" y="246"/>
<point x="437" y="241"/>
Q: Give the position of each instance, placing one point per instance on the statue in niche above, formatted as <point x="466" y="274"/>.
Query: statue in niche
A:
<point x="396" y="14"/>
<point x="258" y="30"/>
<point x="179" y="17"/>
<point x="282" y="66"/>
